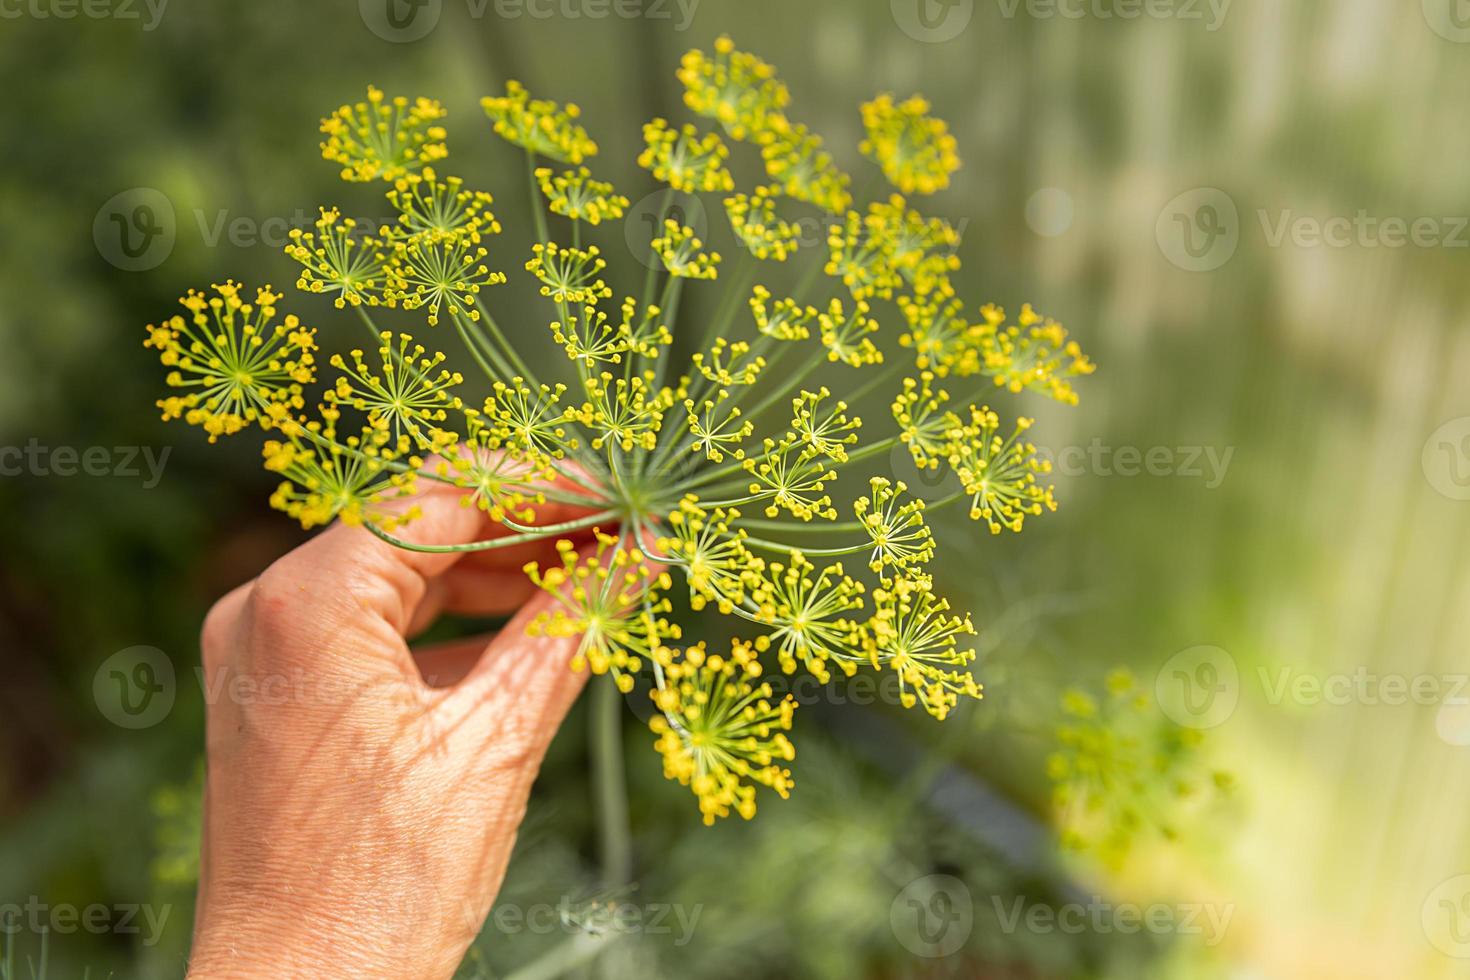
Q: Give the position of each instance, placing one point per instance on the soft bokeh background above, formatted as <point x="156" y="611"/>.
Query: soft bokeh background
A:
<point x="1304" y="520"/>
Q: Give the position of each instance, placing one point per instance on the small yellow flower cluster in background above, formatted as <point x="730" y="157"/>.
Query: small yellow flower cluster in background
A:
<point x="729" y="469"/>
<point x="721" y="730"/>
<point x="735" y="87"/>
<point x="540" y="126"/>
<point x="1121" y="769"/>
<point x="384" y="138"/>
<point x="915" y="150"/>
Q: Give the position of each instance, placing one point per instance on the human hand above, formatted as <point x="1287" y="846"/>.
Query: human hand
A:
<point x="359" y="824"/>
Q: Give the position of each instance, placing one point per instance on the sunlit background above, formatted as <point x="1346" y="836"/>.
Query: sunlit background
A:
<point x="1253" y="215"/>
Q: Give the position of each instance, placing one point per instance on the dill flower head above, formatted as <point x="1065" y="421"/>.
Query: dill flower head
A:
<point x="233" y="364"/>
<point x="685" y="160"/>
<point x="721" y="731"/>
<point x="437" y="208"/>
<point x="1121" y="769"/>
<point x="383" y="138"/>
<point x="349" y="479"/>
<point x="716" y="450"/>
<point x="539" y="126"/>
<point x="795" y="159"/>
<point x="683" y="253"/>
<point x="915" y="150"/>
<point x="734" y="87"/>
<point x="754" y="220"/>
<point x="574" y="194"/>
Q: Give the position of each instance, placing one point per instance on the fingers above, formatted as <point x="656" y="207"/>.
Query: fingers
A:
<point x="518" y="690"/>
<point x="346" y="578"/>
<point x="490" y="584"/>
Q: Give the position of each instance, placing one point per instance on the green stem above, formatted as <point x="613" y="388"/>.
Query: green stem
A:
<point x="447" y="549"/>
<point x="616" y="840"/>
<point x="826" y="552"/>
<point x="505" y="344"/>
<point x="495" y="373"/>
<point x="537" y="213"/>
<point x="563" y="959"/>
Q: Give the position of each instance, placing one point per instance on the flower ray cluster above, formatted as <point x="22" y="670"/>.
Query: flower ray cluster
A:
<point x="685" y="469"/>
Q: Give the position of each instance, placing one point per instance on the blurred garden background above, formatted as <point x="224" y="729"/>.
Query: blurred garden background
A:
<point x="1252" y="215"/>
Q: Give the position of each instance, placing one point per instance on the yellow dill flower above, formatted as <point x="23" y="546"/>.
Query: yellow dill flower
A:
<point x="441" y="272"/>
<point x="439" y="207"/>
<point x="847" y="335"/>
<point x="590" y="338"/>
<point x="569" y="275"/>
<point x="685" y="160"/>
<point x="807" y="609"/>
<point x="574" y="194"/>
<point x="862" y="256"/>
<point x="716" y="563"/>
<point x="919" y="247"/>
<point x="529" y="419"/>
<point x="384" y="138"/>
<point x="623" y="412"/>
<point x="898" y="532"/>
<point x="729" y="364"/>
<point x="644" y="332"/>
<point x="795" y="159"/>
<point x="1032" y="354"/>
<point x="943" y="341"/>
<point x="999" y="474"/>
<point x="786" y="319"/>
<point x="237" y="366"/>
<point x="719" y="731"/>
<point x="717" y="427"/>
<point x="912" y="632"/>
<point x="825" y="430"/>
<point x="539" y="125"/>
<point x="610" y="600"/>
<point x="793" y="478"/>
<point x="334" y="261"/>
<point x="407" y="393"/>
<point x="924" y="425"/>
<point x="754" y="219"/>
<point x="350" y="479"/>
<point x="734" y="87"/>
<point x="915" y="151"/>
<point x="502" y="484"/>
<point x="682" y="253"/>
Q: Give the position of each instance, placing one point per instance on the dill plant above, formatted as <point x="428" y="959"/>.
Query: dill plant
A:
<point x="717" y="473"/>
